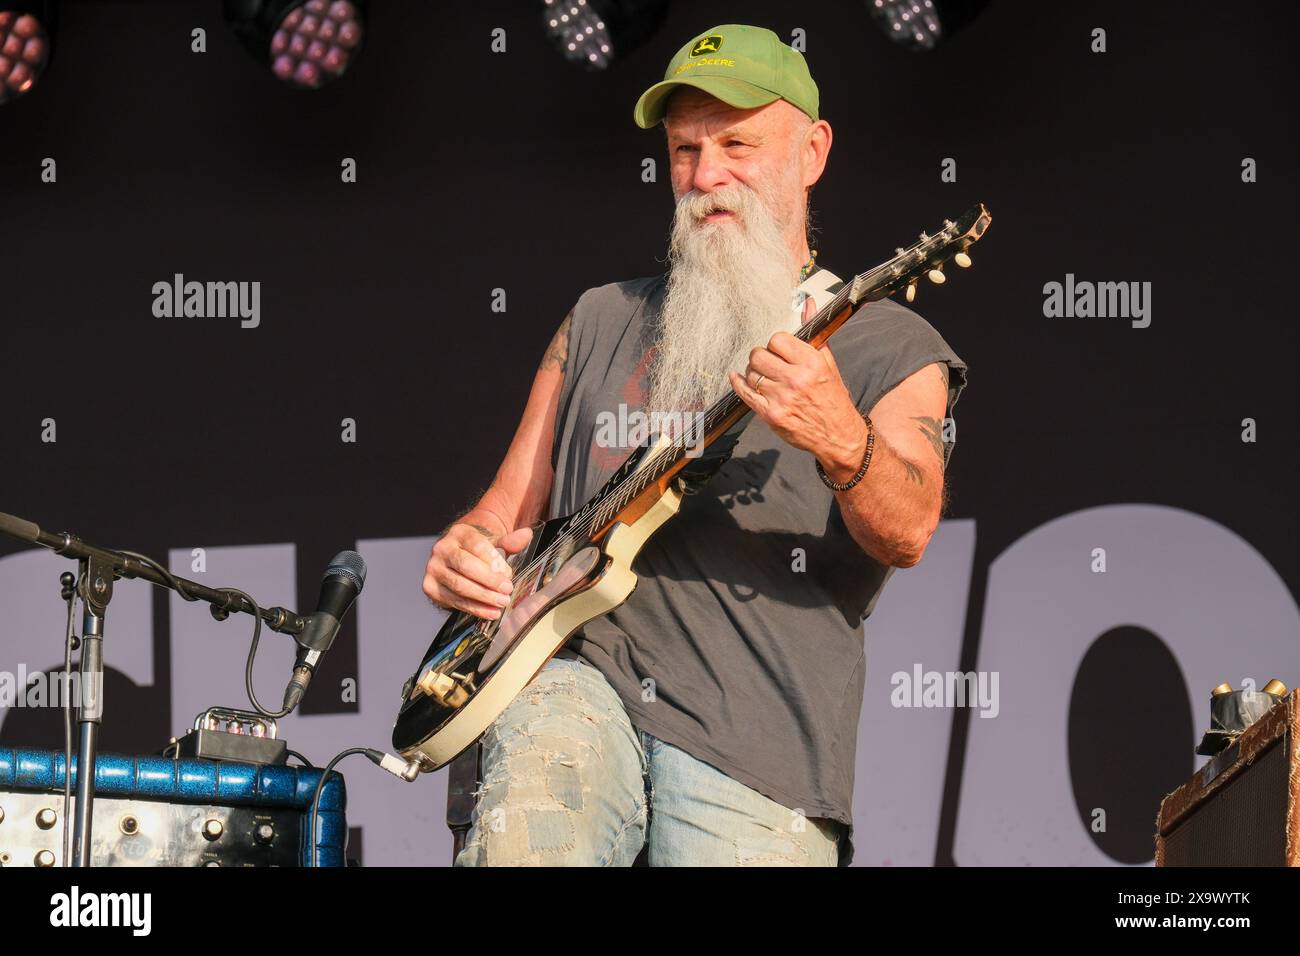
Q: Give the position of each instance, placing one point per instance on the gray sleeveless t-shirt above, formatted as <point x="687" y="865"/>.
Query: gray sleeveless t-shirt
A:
<point x="743" y="641"/>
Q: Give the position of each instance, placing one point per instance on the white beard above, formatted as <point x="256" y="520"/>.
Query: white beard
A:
<point x="730" y="287"/>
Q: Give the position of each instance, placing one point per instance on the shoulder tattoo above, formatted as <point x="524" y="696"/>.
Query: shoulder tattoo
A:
<point x="558" y="351"/>
<point x="932" y="428"/>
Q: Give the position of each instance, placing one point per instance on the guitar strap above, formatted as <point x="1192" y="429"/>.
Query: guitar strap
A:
<point x="821" y="287"/>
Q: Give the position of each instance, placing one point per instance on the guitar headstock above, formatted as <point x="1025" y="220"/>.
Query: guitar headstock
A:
<point x="924" y="258"/>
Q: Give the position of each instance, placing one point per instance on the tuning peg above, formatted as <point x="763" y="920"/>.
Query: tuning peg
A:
<point x="1221" y="689"/>
<point x="962" y="260"/>
<point x="1275" y="687"/>
<point x="936" y="274"/>
<point x="911" y="291"/>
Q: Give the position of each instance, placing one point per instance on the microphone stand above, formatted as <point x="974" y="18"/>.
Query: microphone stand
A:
<point x="96" y="591"/>
<point x="99" y="568"/>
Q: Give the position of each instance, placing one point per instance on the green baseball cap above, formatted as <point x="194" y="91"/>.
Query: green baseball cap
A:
<point x="741" y="65"/>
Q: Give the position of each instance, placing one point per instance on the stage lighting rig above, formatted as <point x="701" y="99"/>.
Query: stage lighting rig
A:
<point x="305" y="43"/>
<point x="25" y="32"/>
<point x="921" y="25"/>
<point x="592" y="33"/>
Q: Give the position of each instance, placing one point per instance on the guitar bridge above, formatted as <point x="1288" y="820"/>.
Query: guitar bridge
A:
<point x="452" y="690"/>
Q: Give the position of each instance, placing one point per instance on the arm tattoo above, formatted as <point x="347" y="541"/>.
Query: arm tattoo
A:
<point x="913" y="473"/>
<point x="558" y="351"/>
<point x="932" y="429"/>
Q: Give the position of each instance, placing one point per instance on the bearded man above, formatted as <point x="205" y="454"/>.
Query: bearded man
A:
<point x="712" y="718"/>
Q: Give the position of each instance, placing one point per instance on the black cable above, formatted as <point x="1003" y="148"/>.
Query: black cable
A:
<point x="305" y="762"/>
<point x="252" y="655"/>
<point x="175" y="584"/>
<point x="370" y="752"/>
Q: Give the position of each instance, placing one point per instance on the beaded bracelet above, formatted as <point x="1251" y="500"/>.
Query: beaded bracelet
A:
<point x="866" y="460"/>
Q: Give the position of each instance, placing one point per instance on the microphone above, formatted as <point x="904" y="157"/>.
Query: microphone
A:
<point x="343" y="581"/>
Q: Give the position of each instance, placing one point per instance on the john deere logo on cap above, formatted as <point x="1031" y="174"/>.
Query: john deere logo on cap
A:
<point x="709" y="44"/>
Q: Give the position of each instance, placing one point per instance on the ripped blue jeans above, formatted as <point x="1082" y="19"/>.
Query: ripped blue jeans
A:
<point x="568" y="781"/>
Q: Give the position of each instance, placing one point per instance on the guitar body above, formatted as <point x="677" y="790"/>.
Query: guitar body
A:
<point x="475" y="667"/>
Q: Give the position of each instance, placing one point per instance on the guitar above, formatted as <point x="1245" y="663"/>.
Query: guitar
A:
<point x="578" y="567"/>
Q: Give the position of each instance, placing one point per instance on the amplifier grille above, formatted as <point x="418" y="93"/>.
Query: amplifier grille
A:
<point x="1244" y="824"/>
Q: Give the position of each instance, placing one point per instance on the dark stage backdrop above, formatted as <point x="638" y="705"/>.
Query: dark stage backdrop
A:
<point x="1084" y="443"/>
